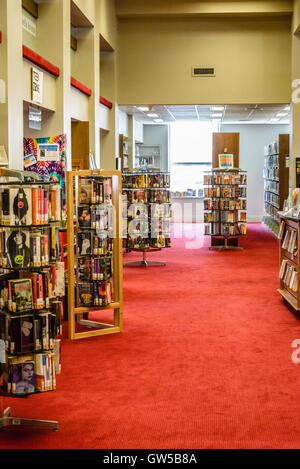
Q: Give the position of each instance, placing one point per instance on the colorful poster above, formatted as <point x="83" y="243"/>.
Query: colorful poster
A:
<point x="225" y="161"/>
<point x="52" y="169"/>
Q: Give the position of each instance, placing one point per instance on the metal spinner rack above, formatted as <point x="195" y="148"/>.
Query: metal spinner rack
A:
<point x="8" y="421"/>
<point x="144" y="261"/>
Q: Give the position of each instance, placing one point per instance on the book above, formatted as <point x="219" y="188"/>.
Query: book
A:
<point x="20" y="295"/>
<point x="84" y="216"/>
<point x="17" y="248"/>
<point x="86" y="294"/>
<point x="84" y="243"/>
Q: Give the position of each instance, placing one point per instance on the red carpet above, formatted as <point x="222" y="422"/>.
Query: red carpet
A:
<point x="204" y="360"/>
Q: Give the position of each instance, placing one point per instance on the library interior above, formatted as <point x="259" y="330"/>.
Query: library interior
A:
<point x="149" y="224"/>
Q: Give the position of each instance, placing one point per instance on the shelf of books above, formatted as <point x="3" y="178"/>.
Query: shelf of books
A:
<point x="289" y="265"/>
<point x="147" y="212"/>
<point x="95" y="266"/>
<point x="31" y="290"/>
<point x="276" y="180"/>
<point x="225" y="207"/>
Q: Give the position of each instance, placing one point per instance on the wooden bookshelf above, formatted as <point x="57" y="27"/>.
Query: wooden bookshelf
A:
<point x="276" y="180"/>
<point x="79" y="314"/>
<point x="123" y="151"/>
<point x="288" y="256"/>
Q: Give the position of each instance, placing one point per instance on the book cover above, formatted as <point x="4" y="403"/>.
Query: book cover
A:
<point x="84" y="216"/>
<point x="85" y="193"/>
<point x="17" y="248"/>
<point x="23" y="378"/>
<point x="86" y="294"/>
<point x="20" y="206"/>
<point x="84" y="243"/>
<point x="21" y="295"/>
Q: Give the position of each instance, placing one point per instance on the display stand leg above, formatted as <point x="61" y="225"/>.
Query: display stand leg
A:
<point x="226" y="246"/>
<point x="7" y="421"/>
<point x="144" y="261"/>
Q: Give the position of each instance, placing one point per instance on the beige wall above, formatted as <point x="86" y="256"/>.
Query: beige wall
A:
<point x="252" y="60"/>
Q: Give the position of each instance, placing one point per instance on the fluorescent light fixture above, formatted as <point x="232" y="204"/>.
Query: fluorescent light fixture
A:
<point x="216" y="114"/>
<point x="143" y="108"/>
<point x="282" y="114"/>
<point x="275" y="119"/>
<point x="158" y="120"/>
<point x="152" y="115"/>
<point x="217" y="108"/>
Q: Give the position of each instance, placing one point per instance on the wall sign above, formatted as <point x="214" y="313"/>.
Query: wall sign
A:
<point x="28" y="24"/>
<point x="36" y="85"/>
<point x="34" y="118"/>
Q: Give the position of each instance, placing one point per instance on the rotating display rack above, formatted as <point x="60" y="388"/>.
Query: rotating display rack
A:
<point x="225" y="207"/>
<point x="147" y="213"/>
<point x="31" y="288"/>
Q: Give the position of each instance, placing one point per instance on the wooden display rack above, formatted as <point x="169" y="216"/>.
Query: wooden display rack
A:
<point x="78" y="314"/>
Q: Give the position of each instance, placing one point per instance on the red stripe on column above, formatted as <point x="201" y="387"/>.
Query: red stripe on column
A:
<point x="80" y="86"/>
<point x="105" y="102"/>
<point x="40" y="61"/>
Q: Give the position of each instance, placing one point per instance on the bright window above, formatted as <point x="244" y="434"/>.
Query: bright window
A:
<point x="190" y="154"/>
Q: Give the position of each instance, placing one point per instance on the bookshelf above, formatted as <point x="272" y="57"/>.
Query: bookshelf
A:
<point x="289" y="261"/>
<point x="147" y="155"/>
<point x="147" y="211"/>
<point x="95" y="269"/>
<point x="225" y="207"/>
<point x="31" y="289"/>
<point x="276" y="180"/>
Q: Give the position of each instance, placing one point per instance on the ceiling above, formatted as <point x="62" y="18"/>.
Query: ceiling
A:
<point x="229" y="114"/>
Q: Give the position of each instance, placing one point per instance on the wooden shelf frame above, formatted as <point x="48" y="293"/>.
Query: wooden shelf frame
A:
<point x="293" y="298"/>
<point x="77" y="314"/>
<point x="283" y="176"/>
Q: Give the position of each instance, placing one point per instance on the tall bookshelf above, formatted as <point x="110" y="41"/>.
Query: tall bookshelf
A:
<point x="276" y="180"/>
<point x="31" y="290"/>
<point x="289" y="245"/>
<point x="95" y="269"/>
<point x="225" y="207"/>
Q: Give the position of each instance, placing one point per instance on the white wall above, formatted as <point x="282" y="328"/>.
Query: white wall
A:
<point x="158" y="135"/>
<point x="123" y="123"/>
<point x="253" y="138"/>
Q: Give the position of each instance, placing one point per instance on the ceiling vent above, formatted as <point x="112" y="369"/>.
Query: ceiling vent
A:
<point x="203" y="72"/>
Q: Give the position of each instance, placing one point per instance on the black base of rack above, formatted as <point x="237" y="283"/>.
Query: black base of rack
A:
<point x="7" y="421"/>
<point x="223" y="243"/>
<point x="144" y="262"/>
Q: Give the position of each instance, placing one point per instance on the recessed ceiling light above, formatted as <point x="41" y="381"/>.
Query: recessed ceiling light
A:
<point x="274" y="119"/>
<point x="158" y="120"/>
<point x="143" y="108"/>
<point x="217" y="108"/>
<point x="152" y="115"/>
<point x="216" y="114"/>
<point x="282" y="114"/>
